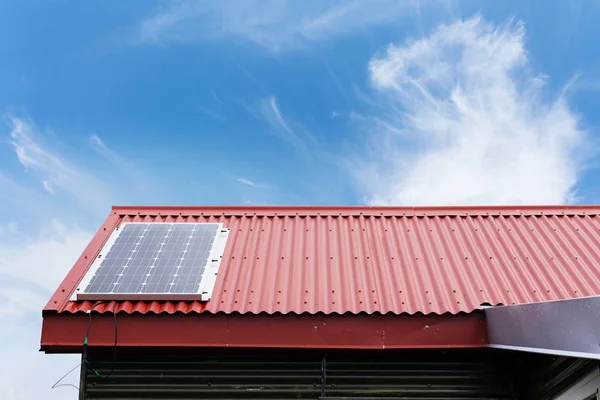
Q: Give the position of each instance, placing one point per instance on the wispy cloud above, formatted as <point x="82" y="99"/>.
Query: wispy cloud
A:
<point x="209" y="112"/>
<point x="276" y="25"/>
<point x="20" y="202"/>
<point x="135" y="176"/>
<point x="48" y="186"/>
<point x="246" y="182"/>
<point x="465" y="121"/>
<point x="55" y="247"/>
<point x="216" y="98"/>
<point x="279" y="125"/>
<point x="103" y="149"/>
<point x="55" y="172"/>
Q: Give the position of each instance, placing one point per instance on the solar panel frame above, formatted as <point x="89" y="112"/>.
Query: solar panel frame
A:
<point x="207" y="281"/>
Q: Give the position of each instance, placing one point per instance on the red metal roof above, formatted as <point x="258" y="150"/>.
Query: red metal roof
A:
<point x="376" y="259"/>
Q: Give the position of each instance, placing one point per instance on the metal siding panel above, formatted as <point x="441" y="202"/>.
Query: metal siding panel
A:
<point x="544" y="377"/>
<point x="418" y="379"/>
<point x="385" y="260"/>
<point x="401" y="375"/>
<point x="206" y="379"/>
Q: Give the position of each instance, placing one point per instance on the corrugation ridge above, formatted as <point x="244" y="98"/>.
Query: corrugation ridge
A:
<point x="593" y="238"/>
<point x="338" y="290"/>
<point x="320" y="265"/>
<point x="257" y="292"/>
<point x="374" y="255"/>
<point x="392" y="300"/>
<point x="364" y="288"/>
<point x="409" y="258"/>
<point x="540" y="255"/>
<point x="439" y="229"/>
<point x="137" y="310"/>
<point x="584" y="256"/>
<point x="565" y="252"/>
<point x="310" y="259"/>
<point x="475" y="259"/>
<point x="424" y="262"/>
<point x="297" y="274"/>
<point x="471" y="253"/>
<point x="395" y="262"/>
<point x="482" y="248"/>
<point x="284" y="269"/>
<point x="510" y="268"/>
<point x="520" y="242"/>
<point x="491" y="287"/>
<point x="457" y="253"/>
<point x="347" y="284"/>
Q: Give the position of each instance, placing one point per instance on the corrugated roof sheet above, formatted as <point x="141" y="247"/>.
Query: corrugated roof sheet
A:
<point x="377" y="260"/>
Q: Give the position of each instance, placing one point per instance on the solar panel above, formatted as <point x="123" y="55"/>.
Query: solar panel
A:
<point x="156" y="261"/>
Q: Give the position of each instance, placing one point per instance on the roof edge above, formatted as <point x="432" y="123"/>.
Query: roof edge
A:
<point x="107" y="308"/>
<point x="388" y="211"/>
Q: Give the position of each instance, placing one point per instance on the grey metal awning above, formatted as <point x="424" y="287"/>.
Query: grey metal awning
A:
<point x="563" y="327"/>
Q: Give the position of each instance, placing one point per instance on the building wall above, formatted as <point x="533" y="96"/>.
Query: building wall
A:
<point x="548" y="377"/>
<point x="309" y="375"/>
<point x="584" y="388"/>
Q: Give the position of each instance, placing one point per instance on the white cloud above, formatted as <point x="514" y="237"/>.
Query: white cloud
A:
<point x="465" y="120"/>
<point x="128" y="171"/>
<point x="39" y="243"/>
<point x="276" y="25"/>
<point x="48" y="186"/>
<point x="14" y="196"/>
<point x="56" y="173"/>
<point x="44" y="259"/>
<point x="31" y="267"/>
<point x="269" y="111"/>
<point x="246" y="182"/>
<point x="103" y="149"/>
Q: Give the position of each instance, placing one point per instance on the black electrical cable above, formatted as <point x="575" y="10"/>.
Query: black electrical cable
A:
<point x="114" y="358"/>
<point x="58" y="384"/>
<point x="87" y="332"/>
<point x="84" y="361"/>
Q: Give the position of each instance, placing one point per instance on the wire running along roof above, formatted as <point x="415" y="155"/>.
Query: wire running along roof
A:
<point x="376" y="260"/>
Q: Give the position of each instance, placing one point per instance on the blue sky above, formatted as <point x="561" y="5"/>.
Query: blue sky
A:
<point x="274" y="102"/>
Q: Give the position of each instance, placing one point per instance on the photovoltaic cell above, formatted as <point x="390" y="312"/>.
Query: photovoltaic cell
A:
<point x="155" y="258"/>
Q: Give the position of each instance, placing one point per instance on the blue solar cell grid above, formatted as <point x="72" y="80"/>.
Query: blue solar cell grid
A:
<point x="155" y="258"/>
